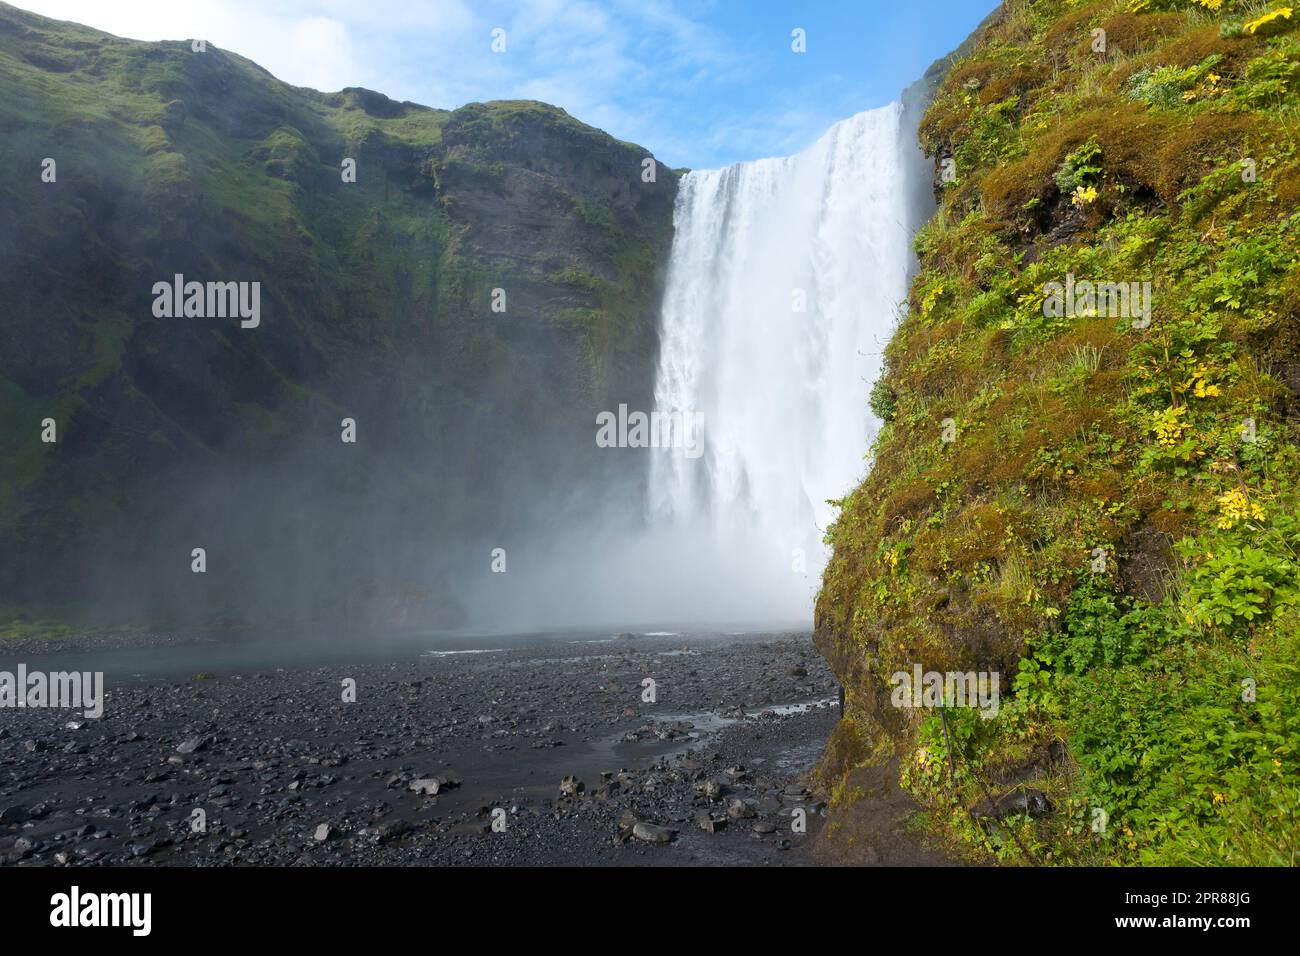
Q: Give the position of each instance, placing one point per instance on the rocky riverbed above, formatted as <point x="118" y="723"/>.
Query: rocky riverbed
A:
<point x="517" y="752"/>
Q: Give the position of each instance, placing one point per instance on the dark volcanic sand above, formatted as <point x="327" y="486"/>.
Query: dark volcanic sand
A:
<point x="279" y="753"/>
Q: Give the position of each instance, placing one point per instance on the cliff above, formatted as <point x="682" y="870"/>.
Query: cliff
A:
<point x="473" y="411"/>
<point x="1086" y="486"/>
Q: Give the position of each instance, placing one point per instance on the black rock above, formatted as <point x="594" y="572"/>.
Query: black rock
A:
<point x="394" y="829"/>
<point x="652" y="833"/>
<point x="1024" y="800"/>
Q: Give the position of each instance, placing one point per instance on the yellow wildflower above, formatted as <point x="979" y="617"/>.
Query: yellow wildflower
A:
<point x="1281" y="13"/>
<point x="1084" y="195"/>
<point x="1235" y="507"/>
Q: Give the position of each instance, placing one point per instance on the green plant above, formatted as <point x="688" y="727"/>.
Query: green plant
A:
<point x="1241" y="585"/>
<point x="1082" y="168"/>
<point x="1168" y="86"/>
<point x="882" y="401"/>
<point x="1270" y="79"/>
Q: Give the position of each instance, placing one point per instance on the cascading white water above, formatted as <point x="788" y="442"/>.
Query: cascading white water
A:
<point x="783" y="288"/>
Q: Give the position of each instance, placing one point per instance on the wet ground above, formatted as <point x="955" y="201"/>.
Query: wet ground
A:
<point x="548" y="750"/>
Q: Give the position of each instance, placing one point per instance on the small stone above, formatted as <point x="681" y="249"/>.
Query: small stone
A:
<point x="769" y="803"/>
<point x="426" y="786"/>
<point x="738" y="809"/>
<point x="710" y="787"/>
<point x="323" y="833"/>
<point x="652" y="833"/>
<point x="393" y="829"/>
<point x="708" y="822"/>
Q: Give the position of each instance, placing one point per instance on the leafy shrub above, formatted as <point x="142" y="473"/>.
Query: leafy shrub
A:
<point x="1082" y="168"/>
<point x="1270" y="79"/>
<point x="1170" y="86"/>
<point x="882" y="401"/>
<point x="1242" y="584"/>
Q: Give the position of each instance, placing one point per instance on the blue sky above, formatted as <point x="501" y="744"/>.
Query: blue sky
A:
<point x="699" y="83"/>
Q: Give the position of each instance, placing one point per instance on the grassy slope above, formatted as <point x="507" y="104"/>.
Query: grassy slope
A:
<point x="375" y="298"/>
<point x="1086" y="433"/>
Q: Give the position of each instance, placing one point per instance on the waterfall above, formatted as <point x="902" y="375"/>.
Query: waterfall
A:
<point x="783" y="288"/>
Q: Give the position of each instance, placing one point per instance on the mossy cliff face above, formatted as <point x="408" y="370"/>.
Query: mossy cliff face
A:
<point x="376" y="304"/>
<point x="1093" y="501"/>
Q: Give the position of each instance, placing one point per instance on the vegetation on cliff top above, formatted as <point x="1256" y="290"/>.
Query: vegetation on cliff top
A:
<point x="1104" y="511"/>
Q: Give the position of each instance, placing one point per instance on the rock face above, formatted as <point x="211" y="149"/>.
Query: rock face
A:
<point x="472" y="408"/>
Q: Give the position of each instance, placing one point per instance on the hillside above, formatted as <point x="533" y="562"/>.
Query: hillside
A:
<point x="376" y="301"/>
<point x="1095" y="501"/>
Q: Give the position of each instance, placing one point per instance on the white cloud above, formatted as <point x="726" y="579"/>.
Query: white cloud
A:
<point x="315" y="49"/>
<point x="636" y="68"/>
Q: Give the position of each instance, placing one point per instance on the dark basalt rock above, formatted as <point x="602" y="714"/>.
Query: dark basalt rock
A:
<point x="1023" y="800"/>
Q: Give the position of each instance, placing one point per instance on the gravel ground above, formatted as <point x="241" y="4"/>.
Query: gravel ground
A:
<point x="550" y="738"/>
